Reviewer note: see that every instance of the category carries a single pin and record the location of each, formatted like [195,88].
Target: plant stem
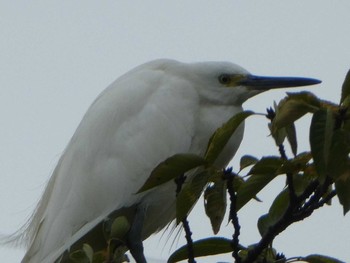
[233,215]
[188,234]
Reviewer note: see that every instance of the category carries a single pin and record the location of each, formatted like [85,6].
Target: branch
[188,234]
[294,213]
[290,183]
[229,176]
[292,196]
[319,191]
[308,191]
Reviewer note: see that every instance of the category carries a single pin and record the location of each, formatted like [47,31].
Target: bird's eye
[224,79]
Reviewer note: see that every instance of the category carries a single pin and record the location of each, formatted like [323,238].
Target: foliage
[313,178]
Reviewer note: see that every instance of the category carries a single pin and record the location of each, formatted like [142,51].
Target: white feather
[151,113]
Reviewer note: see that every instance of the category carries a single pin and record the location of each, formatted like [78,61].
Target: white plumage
[156,110]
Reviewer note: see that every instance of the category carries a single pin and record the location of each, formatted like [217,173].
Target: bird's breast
[210,119]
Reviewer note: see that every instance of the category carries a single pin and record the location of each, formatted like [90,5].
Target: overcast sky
[57,56]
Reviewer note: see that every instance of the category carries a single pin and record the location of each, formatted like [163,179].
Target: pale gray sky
[56,56]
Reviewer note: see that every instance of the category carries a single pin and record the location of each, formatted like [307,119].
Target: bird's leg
[134,240]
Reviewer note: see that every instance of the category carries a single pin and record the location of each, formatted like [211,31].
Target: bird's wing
[137,122]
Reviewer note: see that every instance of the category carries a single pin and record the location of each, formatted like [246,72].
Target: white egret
[154,111]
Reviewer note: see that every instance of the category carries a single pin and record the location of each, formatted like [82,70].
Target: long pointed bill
[266,83]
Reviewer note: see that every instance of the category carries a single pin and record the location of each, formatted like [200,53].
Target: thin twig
[313,206]
[308,191]
[318,193]
[292,195]
[188,234]
[290,183]
[282,152]
[229,176]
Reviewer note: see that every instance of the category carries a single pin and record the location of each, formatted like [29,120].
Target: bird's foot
[134,239]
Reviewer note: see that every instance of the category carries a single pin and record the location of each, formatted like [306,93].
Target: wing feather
[138,121]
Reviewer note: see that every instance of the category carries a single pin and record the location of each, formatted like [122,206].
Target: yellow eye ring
[224,79]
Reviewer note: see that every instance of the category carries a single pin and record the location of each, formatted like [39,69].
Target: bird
[156,110]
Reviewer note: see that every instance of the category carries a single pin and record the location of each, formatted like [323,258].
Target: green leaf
[88,251]
[266,165]
[120,227]
[237,182]
[203,247]
[346,102]
[171,168]
[321,259]
[262,173]
[279,135]
[293,107]
[276,211]
[116,249]
[215,203]
[79,256]
[345,92]
[247,160]
[321,132]
[223,134]
[342,186]
[292,138]
[84,255]
[279,206]
[264,224]
[338,154]
[99,257]
[268,255]
[190,194]
[301,182]
[295,165]
[306,97]
[302,158]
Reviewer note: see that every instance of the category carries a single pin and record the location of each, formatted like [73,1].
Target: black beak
[266,83]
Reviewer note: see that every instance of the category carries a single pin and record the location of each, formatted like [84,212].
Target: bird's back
[133,125]
[141,119]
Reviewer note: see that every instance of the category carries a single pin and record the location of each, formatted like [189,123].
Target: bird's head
[227,83]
